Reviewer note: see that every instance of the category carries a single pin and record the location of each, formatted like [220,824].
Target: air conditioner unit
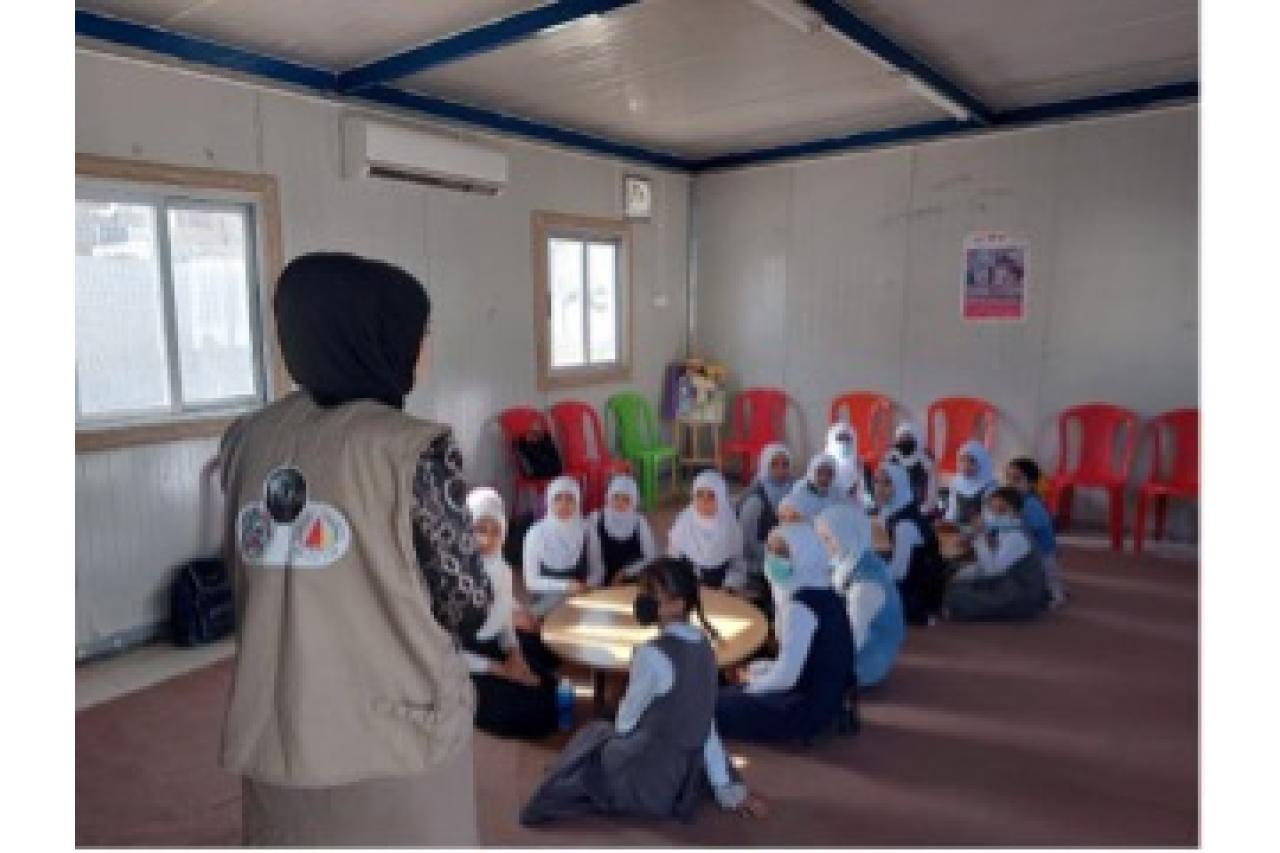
[379,150]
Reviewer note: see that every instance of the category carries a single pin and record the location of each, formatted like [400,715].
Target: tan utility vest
[342,672]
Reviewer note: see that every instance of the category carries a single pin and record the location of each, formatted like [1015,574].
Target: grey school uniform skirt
[432,809]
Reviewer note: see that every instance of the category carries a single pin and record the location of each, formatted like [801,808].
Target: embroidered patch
[287,529]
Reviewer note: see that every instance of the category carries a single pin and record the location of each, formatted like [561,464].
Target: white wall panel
[137,509]
[859,259]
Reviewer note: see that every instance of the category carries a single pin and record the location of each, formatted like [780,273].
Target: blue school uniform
[1040,524]
[887,629]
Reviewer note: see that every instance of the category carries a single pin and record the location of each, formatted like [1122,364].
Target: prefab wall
[138,509]
[845,274]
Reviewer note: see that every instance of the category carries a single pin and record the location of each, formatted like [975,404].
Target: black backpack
[202,607]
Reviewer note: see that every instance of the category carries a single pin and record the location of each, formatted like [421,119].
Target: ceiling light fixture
[939,99]
[792,14]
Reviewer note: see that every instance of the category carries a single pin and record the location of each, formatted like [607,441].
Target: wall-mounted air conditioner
[375,149]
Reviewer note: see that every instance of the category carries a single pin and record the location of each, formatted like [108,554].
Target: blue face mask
[844,449]
[778,569]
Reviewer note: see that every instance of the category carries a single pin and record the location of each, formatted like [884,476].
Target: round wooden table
[953,543]
[596,629]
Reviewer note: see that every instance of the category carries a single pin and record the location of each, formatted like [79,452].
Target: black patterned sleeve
[456,580]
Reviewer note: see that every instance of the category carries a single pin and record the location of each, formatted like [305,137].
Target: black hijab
[350,328]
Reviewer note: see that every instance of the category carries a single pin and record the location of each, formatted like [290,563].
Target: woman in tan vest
[356,571]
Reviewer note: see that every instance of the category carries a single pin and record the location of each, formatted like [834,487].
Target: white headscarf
[847,524]
[906,429]
[775,492]
[562,540]
[484,502]
[848,470]
[707,541]
[806,501]
[621,525]
[980,482]
[810,563]
[902,494]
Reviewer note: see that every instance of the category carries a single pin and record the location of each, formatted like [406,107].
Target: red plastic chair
[1101,427]
[581,438]
[871,416]
[964,418]
[1182,480]
[759,418]
[515,423]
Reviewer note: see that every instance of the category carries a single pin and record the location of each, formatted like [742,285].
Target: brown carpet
[1080,729]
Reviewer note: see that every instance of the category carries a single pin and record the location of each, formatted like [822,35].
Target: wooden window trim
[543,223]
[265,189]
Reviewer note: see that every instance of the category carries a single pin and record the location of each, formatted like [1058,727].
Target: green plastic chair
[640,443]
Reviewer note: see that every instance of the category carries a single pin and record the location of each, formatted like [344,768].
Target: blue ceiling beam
[201,51]
[204,52]
[839,17]
[271,69]
[1129,100]
[1058,111]
[838,144]
[481,39]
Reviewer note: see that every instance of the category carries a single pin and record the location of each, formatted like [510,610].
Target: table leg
[597,693]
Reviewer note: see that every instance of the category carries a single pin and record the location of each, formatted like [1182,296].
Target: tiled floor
[102,680]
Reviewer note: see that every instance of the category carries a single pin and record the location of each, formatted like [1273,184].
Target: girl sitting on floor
[706,533]
[557,550]
[1023,474]
[842,446]
[662,754]
[970,487]
[626,542]
[814,493]
[758,510]
[871,597]
[1006,581]
[908,450]
[915,564]
[804,692]
[513,673]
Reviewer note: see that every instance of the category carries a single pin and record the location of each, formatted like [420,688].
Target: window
[582,268]
[168,303]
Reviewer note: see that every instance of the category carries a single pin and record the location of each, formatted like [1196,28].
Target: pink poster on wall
[995,277]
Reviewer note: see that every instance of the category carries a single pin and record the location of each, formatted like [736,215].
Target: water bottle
[564,704]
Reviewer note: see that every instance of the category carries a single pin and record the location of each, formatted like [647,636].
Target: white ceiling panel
[331,34]
[1020,52]
[692,76]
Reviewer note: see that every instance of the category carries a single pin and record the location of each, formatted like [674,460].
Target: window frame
[160,184]
[547,225]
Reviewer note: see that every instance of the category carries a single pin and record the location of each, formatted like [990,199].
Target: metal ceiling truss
[369,83]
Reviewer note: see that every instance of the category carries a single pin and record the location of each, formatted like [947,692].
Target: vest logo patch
[286,528]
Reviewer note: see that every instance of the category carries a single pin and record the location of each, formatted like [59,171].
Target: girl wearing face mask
[815,492]
[871,597]
[806,690]
[647,763]
[1006,581]
[842,446]
[557,550]
[972,485]
[706,533]
[915,566]
[758,511]
[513,673]
[623,534]
[909,451]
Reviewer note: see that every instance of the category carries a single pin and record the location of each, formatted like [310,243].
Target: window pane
[602,267]
[122,365]
[210,254]
[565,260]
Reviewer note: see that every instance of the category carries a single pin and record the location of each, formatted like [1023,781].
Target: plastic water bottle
[564,704]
